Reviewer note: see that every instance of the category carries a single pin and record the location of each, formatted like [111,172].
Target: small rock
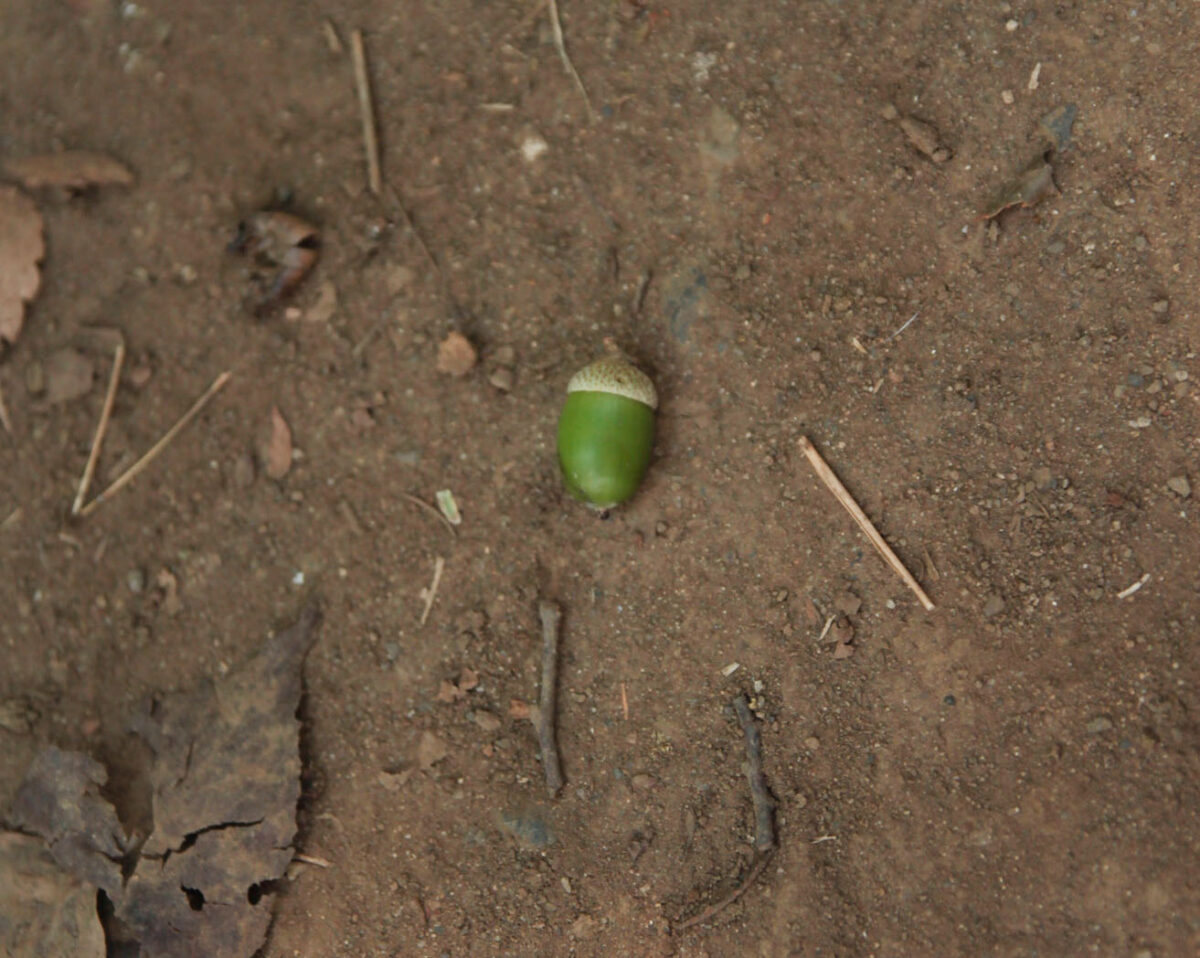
[1160,306]
[812,743]
[643,782]
[848,603]
[136,580]
[430,750]
[742,273]
[583,927]
[503,379]
[487,721]
[533,145]
[456,355]
[529,827]
[925,138]
[993,606]
[1098,725]
[69,375]
[889,112]
[1180,486]
[1043,478]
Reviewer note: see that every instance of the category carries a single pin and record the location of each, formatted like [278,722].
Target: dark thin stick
[711,910]
[764,810]
[764,805]
[551,616]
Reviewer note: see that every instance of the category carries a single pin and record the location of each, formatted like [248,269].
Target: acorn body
[606,432]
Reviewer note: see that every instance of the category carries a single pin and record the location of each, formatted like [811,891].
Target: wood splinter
[843,496]
[543,715]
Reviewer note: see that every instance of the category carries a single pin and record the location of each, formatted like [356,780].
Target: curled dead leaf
[21,250]
[70,169]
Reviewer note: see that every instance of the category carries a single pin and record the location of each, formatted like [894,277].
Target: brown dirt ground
[1014,773]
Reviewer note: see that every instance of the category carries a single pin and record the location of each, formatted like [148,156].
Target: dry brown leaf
[70,169]
[1032,186]
[46,910]
[456,355]
[21,249]
[279,446]
[223,766]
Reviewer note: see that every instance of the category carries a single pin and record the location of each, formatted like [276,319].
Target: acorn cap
[615,375]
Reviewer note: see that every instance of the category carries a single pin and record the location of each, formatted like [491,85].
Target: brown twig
[367,108]
[764,811]
[431,593]
[742,888]
[561,46]
[416,501]
[764,805]
[110,397]
[132,472]
[831,480]
[543,719]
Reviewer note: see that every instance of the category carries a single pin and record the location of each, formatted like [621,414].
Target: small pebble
[1180,486]
[742,272]
[1098,725]
[950,700]
[993,606]
[812,743]
[1007,96]
[503,379]
[1160,306]
[643,782]
[136,580]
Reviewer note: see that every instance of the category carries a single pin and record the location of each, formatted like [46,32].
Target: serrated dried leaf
[70,169]
[223,766]
[21,250]
[59,800]
[279,447]
[1031,187]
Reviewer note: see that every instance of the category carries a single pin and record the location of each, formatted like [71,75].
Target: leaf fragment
[69,169]
[21,250]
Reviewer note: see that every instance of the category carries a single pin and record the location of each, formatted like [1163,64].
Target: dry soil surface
[748,211]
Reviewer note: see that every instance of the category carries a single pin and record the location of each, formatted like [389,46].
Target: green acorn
[606,432]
